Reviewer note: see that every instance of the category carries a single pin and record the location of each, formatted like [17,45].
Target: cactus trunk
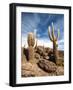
[55,52]
[31,54]
[31,42]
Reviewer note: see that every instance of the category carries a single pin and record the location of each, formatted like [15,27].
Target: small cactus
[31,42]
[54,39]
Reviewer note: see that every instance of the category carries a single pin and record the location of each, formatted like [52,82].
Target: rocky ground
[43,64]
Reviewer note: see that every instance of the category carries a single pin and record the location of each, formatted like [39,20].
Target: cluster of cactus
[31,43]
[54,39]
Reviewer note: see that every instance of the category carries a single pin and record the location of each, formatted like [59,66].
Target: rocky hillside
[43,63]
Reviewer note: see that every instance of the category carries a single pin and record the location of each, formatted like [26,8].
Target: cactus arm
[52,30]
[35,43]
[58,34]
[53,34]
[49,33]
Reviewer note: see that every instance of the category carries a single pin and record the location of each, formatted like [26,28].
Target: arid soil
[43,63]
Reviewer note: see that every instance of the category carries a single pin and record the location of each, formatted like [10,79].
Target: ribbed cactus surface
[31,39]
[54,39]
[31,42]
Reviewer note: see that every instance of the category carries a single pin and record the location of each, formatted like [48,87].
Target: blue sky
[39,22]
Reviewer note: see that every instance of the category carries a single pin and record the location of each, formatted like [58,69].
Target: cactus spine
[31,42]
[54,39]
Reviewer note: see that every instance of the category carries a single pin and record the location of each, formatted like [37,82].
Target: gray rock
[47,66]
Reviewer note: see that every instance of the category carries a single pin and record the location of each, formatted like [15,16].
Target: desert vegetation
[40,60]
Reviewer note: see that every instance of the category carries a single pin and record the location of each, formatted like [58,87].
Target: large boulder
[47,50]
[45,56]
[40,50]
[37,56]
[31,70]
[47,66]
[60,70]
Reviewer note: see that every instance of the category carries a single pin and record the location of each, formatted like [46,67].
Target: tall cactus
[31,42]
[54,39]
